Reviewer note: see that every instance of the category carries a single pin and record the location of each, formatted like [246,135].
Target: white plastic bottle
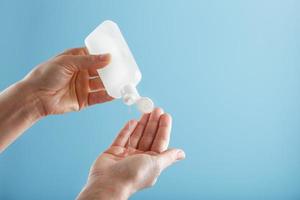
[122,75]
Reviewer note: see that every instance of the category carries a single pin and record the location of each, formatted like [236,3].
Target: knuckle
[61,59]
[70,49]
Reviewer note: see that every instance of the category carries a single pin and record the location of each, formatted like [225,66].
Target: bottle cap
[145,105]
[131,96]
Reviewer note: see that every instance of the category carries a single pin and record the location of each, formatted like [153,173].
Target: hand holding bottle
[69,81]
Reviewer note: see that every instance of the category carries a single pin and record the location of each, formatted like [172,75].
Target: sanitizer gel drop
[122,75]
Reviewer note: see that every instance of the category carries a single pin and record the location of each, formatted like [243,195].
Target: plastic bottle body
[122,75]
[122,70]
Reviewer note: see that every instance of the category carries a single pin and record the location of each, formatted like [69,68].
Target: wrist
[20,109]
[29,97]
[106,189]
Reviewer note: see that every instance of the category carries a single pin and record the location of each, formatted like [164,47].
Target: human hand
[68,82]
[134,160]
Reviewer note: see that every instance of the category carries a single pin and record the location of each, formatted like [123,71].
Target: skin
[70,82]
[134,160]
[67,82]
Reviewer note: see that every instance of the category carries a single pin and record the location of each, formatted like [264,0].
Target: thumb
[169,157]
[85,61]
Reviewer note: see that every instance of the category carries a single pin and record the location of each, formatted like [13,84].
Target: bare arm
[67,82]
[19,109]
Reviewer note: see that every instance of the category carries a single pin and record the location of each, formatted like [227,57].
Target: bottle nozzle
[131,96]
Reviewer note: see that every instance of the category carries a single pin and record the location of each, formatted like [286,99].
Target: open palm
[139,153]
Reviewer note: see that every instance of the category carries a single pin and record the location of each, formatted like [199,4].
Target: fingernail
[132,124]
[104,57]
[180,155]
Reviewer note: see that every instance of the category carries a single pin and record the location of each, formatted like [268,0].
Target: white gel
[122,75]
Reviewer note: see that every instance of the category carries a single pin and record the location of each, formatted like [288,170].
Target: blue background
[227,71]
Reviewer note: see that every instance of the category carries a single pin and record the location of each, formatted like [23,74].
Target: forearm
[19,109]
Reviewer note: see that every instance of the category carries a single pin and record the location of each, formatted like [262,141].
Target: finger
[169,157]
[82,88]
[81,62]
[138,131]
[125,133]
[93,72]
[90,61]
[95,84]
[162,138]
[75,51]
[98,97]
[80,51]
[150,130]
